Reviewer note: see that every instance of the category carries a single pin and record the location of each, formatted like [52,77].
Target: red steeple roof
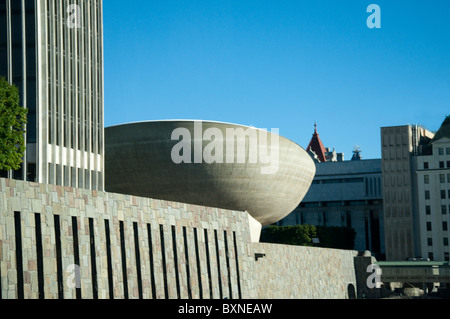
[316,146]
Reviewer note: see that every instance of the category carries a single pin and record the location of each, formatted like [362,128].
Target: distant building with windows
[433,181]
[345,194]
[58,70]
[416,185]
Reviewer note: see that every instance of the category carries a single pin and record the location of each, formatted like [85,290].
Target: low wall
[121,246]
[62,242]
[283,271]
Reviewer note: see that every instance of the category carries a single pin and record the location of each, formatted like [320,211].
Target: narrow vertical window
[59,268]
[225,237]
[124,259]
[208,264]
[76,251]
[163,254]
[227,258]
[1,284]
[19,259]
[152,267]
[237,265]
[186,256]
[175,261]
[109,259]
[93,259]
[197,257]
[138,259]
[218,263]
[39,255]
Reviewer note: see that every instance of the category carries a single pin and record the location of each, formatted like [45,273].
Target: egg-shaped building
[208,163]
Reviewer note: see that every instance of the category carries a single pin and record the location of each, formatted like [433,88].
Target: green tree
[13,119]
[302,235]
[289,235]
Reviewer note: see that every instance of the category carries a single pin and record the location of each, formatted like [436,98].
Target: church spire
[316,146]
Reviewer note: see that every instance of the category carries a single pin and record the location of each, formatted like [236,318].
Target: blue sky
[280,64]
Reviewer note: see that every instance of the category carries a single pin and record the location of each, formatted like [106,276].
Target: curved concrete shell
[210,164]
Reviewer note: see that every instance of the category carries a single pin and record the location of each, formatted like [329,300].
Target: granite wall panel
[104,245]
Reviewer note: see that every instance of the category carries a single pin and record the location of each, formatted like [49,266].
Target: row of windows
[444,194]
[442,178]
[443,209]
[74,177]
[394,137]
[441,151]
[444,241]
[338,180]
[444,226]
[339,203]
[442,164]
[372,185]
[446,256]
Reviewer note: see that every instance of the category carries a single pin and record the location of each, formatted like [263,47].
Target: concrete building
[416,164]
[140,160]
[52,50]
[433,205]
[432,177]
[346,194]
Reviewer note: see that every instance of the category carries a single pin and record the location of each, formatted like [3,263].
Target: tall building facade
[397,146]
[432,166]
[52,50]
[416,191]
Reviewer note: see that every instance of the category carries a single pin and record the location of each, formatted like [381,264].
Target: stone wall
[155,249]
[298,272]
[54,239]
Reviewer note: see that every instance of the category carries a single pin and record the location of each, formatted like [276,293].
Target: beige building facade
[433,196]
[416,179]
[398,144]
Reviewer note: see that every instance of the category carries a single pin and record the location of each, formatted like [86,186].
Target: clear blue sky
[280,64]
